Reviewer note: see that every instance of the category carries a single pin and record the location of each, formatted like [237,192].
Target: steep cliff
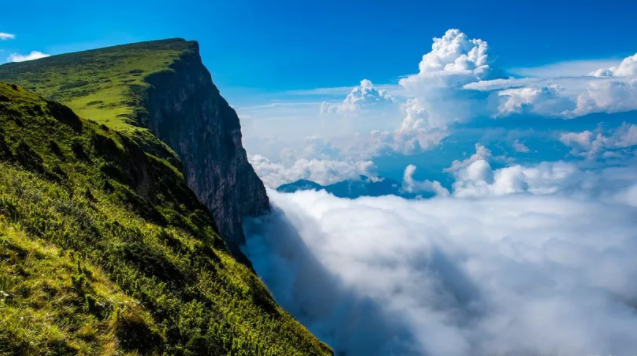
[186,110]
[161,86]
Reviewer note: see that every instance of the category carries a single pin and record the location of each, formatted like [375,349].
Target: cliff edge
[160,89]
[186,110]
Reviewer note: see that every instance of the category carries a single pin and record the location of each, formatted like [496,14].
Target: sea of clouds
[522,260]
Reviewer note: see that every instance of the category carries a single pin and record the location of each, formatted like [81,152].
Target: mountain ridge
[160,94]
[352,188]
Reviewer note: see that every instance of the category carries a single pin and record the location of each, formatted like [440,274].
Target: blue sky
[331,89]
[302,45]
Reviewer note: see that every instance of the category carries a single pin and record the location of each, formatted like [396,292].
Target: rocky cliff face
[186,111]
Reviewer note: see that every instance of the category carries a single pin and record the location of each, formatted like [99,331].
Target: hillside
[159,92]
[104,250]
[104,85]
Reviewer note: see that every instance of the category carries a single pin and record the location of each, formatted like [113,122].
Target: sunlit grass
[100,84]
[104,249]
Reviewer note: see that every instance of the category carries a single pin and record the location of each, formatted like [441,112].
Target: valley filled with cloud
[522,234]
[522,260]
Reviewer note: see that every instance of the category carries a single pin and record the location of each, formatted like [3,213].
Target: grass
[102,85]
[104,250]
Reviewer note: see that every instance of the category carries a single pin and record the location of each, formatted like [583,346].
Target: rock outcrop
[186,111]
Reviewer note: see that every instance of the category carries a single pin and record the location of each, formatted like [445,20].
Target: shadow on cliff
[351,323]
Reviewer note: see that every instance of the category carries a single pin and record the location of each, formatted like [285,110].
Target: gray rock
[186,111]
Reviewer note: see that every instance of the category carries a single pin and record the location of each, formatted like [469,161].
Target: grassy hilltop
[103,85]
[104,250]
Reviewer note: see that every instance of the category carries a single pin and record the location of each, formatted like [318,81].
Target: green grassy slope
[102,85]
[105,250]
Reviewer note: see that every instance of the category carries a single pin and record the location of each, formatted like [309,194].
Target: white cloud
[412,185]
[520,147]
[589,144]
[416,116]
[515,274]
[559,97]
[404,141]
[6,36]
[582,139]
[437,93]
[454,53]
[627,68]
[478,179]
[575,68]
[363,97]
[482,154]
[607,90]
[323,172]
[475,177]
[15,57]
[607,96]
[542,100]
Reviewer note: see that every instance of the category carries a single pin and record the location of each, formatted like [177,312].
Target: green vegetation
[103,85]
[104,250]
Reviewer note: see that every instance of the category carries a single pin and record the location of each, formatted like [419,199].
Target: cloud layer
[544,274]
[322,171]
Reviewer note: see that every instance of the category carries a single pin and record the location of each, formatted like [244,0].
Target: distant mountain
[301,184]
[351,188]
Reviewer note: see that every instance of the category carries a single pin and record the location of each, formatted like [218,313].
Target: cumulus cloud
[542,100]
[324,172]
[6,36]
[412,185]
[482,154]
[520,147]
[404,141]
[582,139]
[560,97]
[607,96]
[627,68]
[528,273]
[456,54]
[15,57]
[436,91]
[361,98]
[607,90]
[416,117]
[432,100]
[590,144]
[478,179]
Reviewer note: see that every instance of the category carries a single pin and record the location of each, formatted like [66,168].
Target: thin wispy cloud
[6,36]
[15,57]
[575,68]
